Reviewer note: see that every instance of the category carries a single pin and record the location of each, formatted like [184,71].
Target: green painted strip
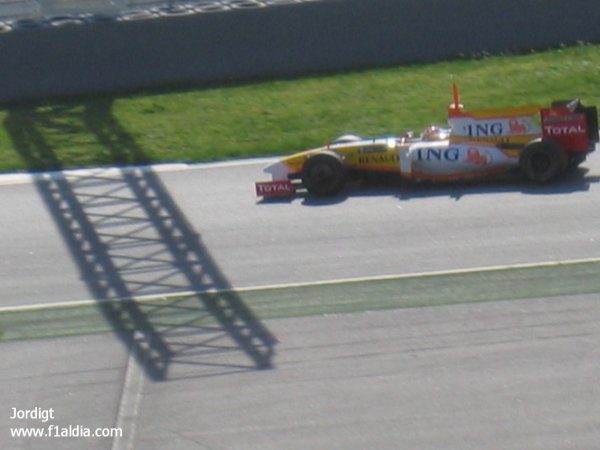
[304,300]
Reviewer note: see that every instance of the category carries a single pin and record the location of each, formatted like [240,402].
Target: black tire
[323,175]
[543,161]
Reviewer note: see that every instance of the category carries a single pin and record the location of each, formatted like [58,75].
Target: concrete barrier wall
[282,40]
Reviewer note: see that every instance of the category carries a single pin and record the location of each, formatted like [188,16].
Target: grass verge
[278,117]
[335,298]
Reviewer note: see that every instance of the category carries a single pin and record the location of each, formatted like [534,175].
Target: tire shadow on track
[130,240]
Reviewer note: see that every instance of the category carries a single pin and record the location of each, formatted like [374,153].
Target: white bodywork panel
[440,158]
[278,170]
[496,127]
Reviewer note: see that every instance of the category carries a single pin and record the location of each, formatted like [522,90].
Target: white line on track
[129,405]
[151,298]
[108,172]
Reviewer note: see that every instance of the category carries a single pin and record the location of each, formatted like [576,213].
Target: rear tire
[543,161]
[323,175]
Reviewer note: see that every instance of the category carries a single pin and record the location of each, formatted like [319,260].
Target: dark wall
[280,40]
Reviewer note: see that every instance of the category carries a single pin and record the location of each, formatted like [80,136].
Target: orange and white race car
[542,142]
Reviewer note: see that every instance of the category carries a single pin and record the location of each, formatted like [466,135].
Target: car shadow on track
[131,241]
[576,180]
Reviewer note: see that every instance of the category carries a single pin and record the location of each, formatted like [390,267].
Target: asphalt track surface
[508,375]
[52,231]
[513,374]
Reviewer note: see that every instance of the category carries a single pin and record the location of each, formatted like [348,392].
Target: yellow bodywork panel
[375,155]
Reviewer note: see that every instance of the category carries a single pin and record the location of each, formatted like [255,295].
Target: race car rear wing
[572,125]
[590,113]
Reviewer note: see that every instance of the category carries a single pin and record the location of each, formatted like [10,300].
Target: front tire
[543,161]
[323,175]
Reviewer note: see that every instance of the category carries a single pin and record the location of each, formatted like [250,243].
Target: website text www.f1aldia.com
[45,429]
[70,431]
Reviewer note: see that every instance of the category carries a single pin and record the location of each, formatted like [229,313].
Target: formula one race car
[542,142]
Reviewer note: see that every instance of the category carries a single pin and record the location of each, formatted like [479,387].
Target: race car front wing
[276,188]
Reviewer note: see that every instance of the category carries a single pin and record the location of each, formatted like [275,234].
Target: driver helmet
[434,133]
